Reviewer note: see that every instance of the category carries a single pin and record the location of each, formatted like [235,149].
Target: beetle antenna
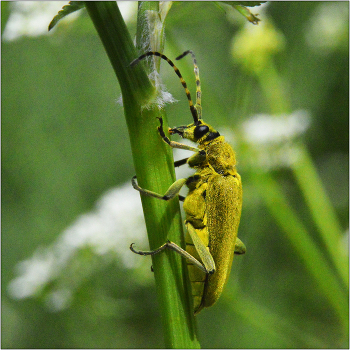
[188,94]
[198,82]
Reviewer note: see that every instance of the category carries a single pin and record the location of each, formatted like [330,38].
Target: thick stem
[153,163]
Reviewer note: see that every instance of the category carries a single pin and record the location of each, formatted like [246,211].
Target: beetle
[213,204]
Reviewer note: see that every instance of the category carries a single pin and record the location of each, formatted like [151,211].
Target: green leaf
[247,14]
[240,6]
[66,10]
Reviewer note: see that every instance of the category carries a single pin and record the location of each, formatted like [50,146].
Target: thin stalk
[154,168]
[299,237]
[319,206]
[309,181]
[322,212]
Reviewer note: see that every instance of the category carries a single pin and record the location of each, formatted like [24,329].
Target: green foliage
[66,10]
[240,6]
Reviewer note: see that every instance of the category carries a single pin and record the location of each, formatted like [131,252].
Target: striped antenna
[154,53]
[198,82]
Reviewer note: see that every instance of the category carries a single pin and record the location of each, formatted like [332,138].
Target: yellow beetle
[213,204]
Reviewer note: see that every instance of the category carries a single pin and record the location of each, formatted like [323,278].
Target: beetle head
[199,132]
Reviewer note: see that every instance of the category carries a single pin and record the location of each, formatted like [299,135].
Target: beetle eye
[200,131]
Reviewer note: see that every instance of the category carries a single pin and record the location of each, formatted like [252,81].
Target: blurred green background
[69,212]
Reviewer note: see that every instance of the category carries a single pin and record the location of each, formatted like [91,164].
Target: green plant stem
[322,211]
[298,235]
[318,203]
[154,168]
[308,179]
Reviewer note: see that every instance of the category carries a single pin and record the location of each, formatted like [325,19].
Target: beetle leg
[172,191]
[175,248]
[239,247]
[174,144]
[196,159]
[180,162]
[151,252]
[201,249]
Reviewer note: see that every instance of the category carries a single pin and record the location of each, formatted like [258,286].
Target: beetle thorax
[221,156]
